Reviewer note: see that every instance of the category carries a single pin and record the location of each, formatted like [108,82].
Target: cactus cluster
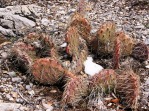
[38,55]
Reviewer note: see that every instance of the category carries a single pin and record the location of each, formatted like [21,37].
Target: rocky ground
[20,92]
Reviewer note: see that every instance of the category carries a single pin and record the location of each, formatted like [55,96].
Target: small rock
[4,55]
[50,109]
[14,94]
[16,79]
[45,22]
[147,66]
[32,93]
[9,97]
[63,45]
[47,105]
[28,87]
[19,100]
[9,106]
[12,74]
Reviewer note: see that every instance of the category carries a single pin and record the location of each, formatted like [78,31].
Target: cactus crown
[106,33]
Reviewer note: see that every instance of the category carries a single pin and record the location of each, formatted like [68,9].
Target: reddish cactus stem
[116,56]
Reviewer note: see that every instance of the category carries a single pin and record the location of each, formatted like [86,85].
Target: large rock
[16,20]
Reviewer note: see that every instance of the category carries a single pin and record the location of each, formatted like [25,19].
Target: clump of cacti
[76,90]
[47,70]
[106,36]
[37,54]
[128,88]
[140,52]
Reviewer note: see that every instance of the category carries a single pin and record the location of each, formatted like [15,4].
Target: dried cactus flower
[127,43]
[117,54]
[76,89]
[47,71]
[128,88]
[43,44]
[106,37]
[103,82]
[20,60]
[140,52]
[83,26]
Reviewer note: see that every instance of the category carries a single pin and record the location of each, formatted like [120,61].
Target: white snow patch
[91,68]
[63,45]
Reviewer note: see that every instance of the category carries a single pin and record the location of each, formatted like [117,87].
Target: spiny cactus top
[126,44]
[83,26]
[47,70]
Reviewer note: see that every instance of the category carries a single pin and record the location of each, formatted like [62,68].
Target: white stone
[147,66]
[63,45]
[45,22]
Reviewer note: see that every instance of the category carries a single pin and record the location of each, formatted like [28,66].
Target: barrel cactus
[128,88]
[103,82]
[76,89]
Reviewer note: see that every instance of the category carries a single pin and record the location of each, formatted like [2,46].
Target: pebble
[28,87]
[19,100]
[12,74]
[45,22]
[9,97]
[16,79]
[9,106]
[47,105]
[32,92]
